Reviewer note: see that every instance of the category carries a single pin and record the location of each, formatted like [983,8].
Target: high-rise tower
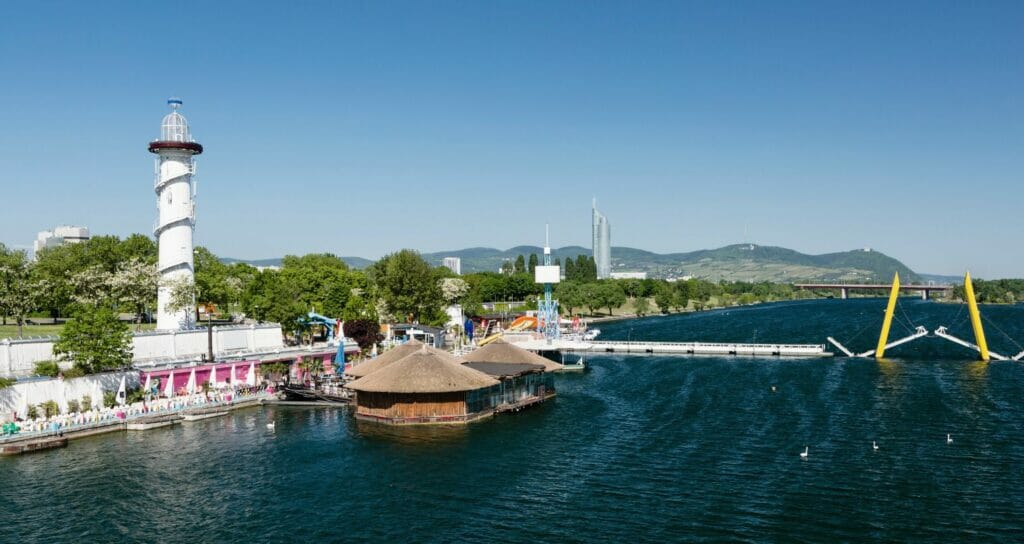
[175,196]
[602,244]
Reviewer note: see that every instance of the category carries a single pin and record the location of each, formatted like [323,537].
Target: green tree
[407,285]
[20,288]
[641,306]
[532,263]
[583,268]
[95,340]
[520,265]
[570,296]
[182,299]
[610,295]
[570,270]
[664,297]
[591,296]
[134,284]
[681,293]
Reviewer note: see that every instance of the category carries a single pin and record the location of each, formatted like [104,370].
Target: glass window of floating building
[525,376]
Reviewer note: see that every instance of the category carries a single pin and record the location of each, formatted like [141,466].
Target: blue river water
[639,448]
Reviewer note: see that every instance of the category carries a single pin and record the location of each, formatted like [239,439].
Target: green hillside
[739,262]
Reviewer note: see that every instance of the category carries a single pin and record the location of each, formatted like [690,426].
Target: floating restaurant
[525,376]
[427,386]
[417,384]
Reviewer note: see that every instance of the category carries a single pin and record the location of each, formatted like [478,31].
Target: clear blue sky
[362,128]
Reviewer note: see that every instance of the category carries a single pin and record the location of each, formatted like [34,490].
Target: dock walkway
[709,348]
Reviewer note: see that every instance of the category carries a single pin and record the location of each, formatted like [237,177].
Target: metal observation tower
[175,195]
[547,309]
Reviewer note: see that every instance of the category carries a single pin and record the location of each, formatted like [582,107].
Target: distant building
[453,263]
[602,244]
[60,236]
[629,275]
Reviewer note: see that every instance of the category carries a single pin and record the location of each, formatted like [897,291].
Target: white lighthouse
[175,196]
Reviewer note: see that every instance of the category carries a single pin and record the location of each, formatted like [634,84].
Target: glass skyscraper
[602,244]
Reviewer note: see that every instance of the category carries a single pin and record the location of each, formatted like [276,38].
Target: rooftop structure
[602,243]
[61,235]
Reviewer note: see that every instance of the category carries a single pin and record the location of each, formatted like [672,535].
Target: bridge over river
[845,288]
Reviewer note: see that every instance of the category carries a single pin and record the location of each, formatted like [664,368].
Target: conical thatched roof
[500,351]
[384,359]
[425,371]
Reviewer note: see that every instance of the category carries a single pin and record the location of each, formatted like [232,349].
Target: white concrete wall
[32,393]
[18,357]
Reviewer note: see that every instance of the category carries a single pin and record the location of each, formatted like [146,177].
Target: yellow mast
[883,338]
[972,308]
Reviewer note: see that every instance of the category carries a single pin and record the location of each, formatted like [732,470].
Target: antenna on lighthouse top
[547,241]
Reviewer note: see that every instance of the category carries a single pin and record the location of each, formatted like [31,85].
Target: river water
[639,448]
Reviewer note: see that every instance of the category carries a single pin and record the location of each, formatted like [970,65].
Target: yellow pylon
[972,308]
[883,338]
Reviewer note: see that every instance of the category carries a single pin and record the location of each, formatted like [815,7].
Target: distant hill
[354,262]
[739,262]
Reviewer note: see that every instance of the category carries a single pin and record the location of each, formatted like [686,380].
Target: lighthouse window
[169,199]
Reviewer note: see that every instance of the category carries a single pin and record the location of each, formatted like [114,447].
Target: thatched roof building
[426,386]
[384,359]
[502,352]
[423,372]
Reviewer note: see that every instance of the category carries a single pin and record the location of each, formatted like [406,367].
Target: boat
[146,423]
[579,366]
[591,334]
[325,392]
[197,414]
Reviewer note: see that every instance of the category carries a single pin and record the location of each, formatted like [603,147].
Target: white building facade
[602,244]
[453,263]
[175,193]
[59,236]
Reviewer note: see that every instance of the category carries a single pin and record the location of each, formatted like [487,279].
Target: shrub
[6,382]
[47,368]
[50,408]
[74,372]
[86,403]
[109,399]
[135,395]
[73,406]
[33,412]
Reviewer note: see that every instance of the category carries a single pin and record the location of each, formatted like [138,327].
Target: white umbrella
[169,388]
[23,407]
[232,378]
[63,399]
[190,387]
[97,396]
[250,379]
[213,376]
[122,392]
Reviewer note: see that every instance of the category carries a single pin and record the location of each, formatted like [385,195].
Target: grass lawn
[11,331]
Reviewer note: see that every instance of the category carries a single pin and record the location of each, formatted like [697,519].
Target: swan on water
[874,445]
[803,454]
[949,439]
[270,425]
